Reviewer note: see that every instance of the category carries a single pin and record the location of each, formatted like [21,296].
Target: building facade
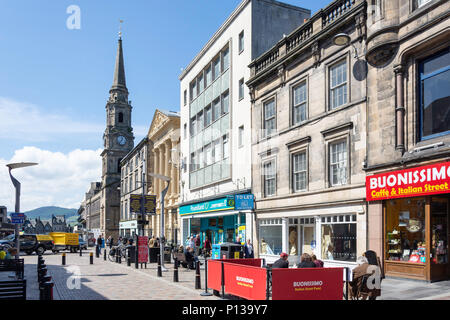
[216,122]
[408,50]
[92,203]
[134,168]
[309,105]
[164,132]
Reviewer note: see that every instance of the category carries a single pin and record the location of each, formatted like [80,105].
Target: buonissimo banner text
[414,182]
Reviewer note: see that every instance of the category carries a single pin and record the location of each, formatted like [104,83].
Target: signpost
[143,204]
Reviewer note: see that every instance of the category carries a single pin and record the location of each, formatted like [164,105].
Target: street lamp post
[162,239]
[16,184]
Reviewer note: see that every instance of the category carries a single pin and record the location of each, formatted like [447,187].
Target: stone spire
[119,82]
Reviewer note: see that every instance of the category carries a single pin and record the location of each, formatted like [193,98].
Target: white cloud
[25,121]
[59,179]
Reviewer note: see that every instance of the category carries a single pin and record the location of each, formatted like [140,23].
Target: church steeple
[119,82]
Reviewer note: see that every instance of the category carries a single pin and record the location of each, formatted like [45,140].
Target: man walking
[99,245]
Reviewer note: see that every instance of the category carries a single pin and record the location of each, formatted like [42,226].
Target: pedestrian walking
[248,250]
[197,245]
[207,247]
[99,245]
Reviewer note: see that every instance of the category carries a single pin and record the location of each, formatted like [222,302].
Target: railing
[299,37]
[267,60]
[336,10]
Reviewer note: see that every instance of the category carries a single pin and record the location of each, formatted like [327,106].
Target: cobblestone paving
[105,280]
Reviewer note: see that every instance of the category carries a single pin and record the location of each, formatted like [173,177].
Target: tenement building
[134,167]
[408,149]
[216,200]
[309,121]
[164,133]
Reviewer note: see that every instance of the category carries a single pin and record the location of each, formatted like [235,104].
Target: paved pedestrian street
[106,280]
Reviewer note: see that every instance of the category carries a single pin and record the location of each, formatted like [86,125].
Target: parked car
[29,243]
[83,244]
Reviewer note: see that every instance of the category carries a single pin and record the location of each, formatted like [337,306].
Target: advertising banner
[245,281]
[215,275]
[208,206]
[246,262]
[414,182]
[244,202]
[142,249]
[307,284]
[136,204]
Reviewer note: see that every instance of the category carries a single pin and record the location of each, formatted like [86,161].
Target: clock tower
[118,141]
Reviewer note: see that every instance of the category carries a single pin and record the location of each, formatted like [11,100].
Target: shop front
[415,211]
[128,229]
[221,220]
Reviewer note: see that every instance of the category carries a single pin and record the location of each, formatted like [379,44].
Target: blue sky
[54,82]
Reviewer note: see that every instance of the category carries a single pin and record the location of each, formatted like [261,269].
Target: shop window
[271,239]
[293,240]
[405,230]
[434,95]
[338,240]
[439,227]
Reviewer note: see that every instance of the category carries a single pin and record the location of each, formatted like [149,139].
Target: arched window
[120,117]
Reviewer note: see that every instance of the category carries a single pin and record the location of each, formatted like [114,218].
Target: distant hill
[45,213]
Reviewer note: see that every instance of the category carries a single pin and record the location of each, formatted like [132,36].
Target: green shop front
[223,219]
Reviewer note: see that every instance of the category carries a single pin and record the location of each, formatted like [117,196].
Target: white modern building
[216,198]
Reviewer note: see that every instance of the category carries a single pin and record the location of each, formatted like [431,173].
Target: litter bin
[153,254]
[167,251]
[230,250]
[132,253]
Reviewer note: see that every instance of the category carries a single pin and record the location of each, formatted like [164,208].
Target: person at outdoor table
[306,261]
[11,254]
[317,262]
[190,258]
[361,270]
[248,250]
[282,262]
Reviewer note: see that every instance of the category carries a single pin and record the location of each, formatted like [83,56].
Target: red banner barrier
[143,249]
[307,284]
[245,281]
[215,275]
[246,262]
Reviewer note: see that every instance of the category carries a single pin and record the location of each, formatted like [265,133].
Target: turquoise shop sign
[226,203]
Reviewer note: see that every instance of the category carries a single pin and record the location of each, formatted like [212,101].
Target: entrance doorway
[440,268]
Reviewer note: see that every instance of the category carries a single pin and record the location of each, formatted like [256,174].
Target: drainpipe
[399,109]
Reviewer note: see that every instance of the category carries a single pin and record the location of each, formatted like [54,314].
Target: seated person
[317,262]
[368,258]
[190,257]
[306,261]
[282,262]
[11,254]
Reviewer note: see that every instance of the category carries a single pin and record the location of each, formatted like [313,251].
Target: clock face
[121,140]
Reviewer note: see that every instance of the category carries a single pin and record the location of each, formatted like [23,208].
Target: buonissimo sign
[419,181]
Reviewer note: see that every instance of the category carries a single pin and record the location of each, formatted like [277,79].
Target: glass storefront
[270,235]
[339,238]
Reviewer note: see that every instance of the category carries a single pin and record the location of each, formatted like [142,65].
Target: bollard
[81,251]
[117,257]
[206,293]
[46,291]
[197,275]
[41,274]
[136,257]
[97,252]
[91,257]
[159,266]
[120,258]
[104,256]
[175,270]
[64,259]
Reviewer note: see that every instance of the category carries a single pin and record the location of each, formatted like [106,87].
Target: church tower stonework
[118,142]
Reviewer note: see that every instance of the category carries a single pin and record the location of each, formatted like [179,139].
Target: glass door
[439,238]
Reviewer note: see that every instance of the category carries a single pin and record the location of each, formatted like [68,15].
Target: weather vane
[120,29]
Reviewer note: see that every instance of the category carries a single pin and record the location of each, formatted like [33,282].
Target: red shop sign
[143,249]
[308,284]
[414,182]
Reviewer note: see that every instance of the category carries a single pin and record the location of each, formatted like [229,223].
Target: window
[120,117]
[269,117]
[193,126]
[201,83]
[216,68]
[185,97]
[338,239]
[192,164]
[185,131]
[200,121]
[216,109]
[194,89]
[241,136]
[338,163]
[299,103]
[241,41]
[338,85]
[299,171]
[225,147]
[216,154]
[208,76]
[241,89]
[200,159]
[420,3]
[225,103]
[226,59]
[434,95]
[269,174]
[270,232]
[208,155]
[208,116]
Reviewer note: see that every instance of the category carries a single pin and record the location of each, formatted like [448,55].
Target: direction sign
[17,218]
